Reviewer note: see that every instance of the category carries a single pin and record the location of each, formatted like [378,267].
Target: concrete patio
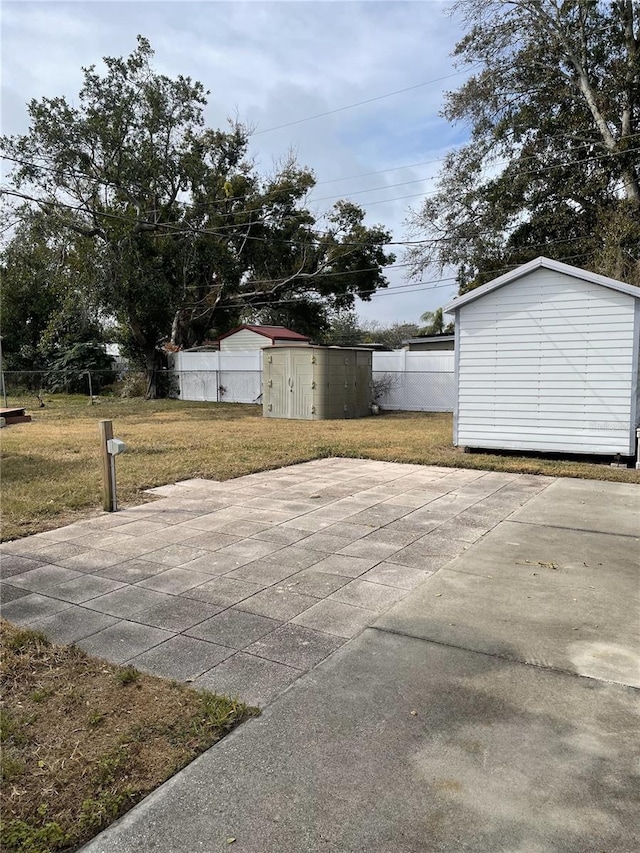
[242,586]
[448,660]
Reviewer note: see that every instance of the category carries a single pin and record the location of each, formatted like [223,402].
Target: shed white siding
[548,362]
[244,340]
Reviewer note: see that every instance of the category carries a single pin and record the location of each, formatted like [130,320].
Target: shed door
[300,385]
[279,396]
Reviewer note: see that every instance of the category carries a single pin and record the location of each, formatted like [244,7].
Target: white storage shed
[547,360]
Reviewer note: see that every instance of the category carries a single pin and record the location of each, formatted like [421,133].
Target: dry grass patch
[84,740]
[51,472]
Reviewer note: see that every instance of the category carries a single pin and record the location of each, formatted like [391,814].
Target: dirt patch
[84,740]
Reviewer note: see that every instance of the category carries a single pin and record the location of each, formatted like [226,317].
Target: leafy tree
[552,165]
[187,237]
[69,369]
[45,298]
[392,336]
[345,329]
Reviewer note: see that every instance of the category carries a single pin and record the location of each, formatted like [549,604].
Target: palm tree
[435,324]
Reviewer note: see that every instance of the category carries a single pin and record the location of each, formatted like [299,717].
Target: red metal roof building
[249,337]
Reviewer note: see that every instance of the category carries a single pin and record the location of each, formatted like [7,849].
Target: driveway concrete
[490,708]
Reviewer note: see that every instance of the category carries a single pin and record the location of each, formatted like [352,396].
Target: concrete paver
[131,571]
[234,628]
[126,601]
[296,646]
[181,658]
[123,641]
[177,614]
[334,617]
[13,564]
[205,547]
[10,593]
[72,624]
[256,680]
[44,577]
[84,588]
[223,590]
[390,574]
[174,581]
[31,607]
[368,594]
[313,583]
[277,603]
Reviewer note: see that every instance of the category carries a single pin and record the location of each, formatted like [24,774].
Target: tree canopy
[181,234]
[552,165]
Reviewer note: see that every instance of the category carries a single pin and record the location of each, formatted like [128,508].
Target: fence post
[4,387]
[108,468]
[90,387]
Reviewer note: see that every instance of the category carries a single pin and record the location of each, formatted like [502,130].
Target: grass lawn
[51,468]
[83,740]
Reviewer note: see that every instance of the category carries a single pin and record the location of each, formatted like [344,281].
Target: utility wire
[204,231]
[362,103]
[218,229]
[224,201]
[413,287]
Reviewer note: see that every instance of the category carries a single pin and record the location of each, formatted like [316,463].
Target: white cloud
[274,63]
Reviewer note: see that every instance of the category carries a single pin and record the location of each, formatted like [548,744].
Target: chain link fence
[415,391]
[20,387]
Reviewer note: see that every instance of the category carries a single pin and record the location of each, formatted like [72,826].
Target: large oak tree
[186,236]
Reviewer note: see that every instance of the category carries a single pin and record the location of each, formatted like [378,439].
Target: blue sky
[270,64]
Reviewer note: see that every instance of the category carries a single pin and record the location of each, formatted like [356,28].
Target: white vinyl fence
[220,377]
[402,381]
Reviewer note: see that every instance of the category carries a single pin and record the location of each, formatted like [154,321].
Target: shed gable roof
[274,333]
[545,263]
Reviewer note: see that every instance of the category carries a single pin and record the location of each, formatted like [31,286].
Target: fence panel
[240,386]
[198,385]
[413,391]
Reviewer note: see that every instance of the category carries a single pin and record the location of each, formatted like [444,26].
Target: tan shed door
[300,385]
[279,391]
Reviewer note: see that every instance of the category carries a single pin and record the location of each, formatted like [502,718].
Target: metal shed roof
[275,333]
[547,263]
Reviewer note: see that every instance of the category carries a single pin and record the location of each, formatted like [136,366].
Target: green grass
[81,744]
[51,467]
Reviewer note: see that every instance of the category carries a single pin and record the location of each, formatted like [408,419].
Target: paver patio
[242,586]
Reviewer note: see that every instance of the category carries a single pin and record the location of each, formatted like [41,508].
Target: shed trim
[547,263]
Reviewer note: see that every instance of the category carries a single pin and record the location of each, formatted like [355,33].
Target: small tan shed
[316,383]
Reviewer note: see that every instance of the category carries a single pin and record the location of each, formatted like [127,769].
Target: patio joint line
[546,668]
[576,529]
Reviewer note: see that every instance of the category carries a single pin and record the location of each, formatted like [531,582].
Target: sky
[273,64]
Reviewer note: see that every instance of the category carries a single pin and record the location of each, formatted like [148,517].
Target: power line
[204,231]
[223,201]
[412,287]
[362,103]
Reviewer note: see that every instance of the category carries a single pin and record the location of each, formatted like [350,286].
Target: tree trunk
[152,363]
